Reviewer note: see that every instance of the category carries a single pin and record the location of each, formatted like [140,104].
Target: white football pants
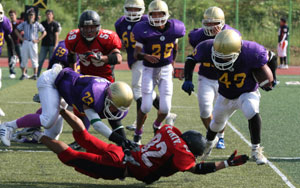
[136,79]
[50,100]
[225,108]
[207,94]
[161,76]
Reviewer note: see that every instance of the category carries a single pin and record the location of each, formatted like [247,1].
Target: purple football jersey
[195,37]
[60,55]
[5,29]
[124,31]
[157,43]
[239,80]
[79,90]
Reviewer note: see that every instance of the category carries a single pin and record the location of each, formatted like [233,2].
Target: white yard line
[283,177]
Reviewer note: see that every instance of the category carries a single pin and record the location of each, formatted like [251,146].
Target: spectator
[30,41]
[15,22]
[51,39]
[283,35]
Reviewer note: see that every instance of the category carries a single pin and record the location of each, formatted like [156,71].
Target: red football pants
[101,160]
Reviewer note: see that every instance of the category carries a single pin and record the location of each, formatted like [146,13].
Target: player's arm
[175,50]
[72,60]
[264,77]
[205,168]
[139,55]
[98,59]
[189,66]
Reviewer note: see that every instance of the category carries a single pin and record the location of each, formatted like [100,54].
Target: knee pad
[146,103]
[205,110]
[216,126]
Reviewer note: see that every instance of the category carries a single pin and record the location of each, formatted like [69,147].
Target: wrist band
[226,164]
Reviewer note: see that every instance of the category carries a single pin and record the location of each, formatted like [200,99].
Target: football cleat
[6,134]
[170,119]
[24,133]
[208,148]
[221,144]
[137,139]
[131,127]
[75,146]
[258,157]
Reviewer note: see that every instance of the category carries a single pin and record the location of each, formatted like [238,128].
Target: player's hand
[130,145]
[188,87]
[151,58]
[128,158]
[13,60]
[95,58]
[36,98]
[234,160]
[267,88]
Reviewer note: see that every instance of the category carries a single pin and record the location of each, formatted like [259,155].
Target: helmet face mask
[111,112]
[158,13]
[1,13]
[133,10]
[89,24]
[226,49]
[213,21]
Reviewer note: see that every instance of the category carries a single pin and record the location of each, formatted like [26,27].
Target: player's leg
[249,104]
[284,55]
[223,110]
[165,87]
[42,56]
[136,84]
[147,90]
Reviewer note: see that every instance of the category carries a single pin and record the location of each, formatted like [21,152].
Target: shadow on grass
[61,185]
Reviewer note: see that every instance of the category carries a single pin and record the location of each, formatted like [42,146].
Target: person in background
[51,39]
[30,41]
[283,35]
[15,22]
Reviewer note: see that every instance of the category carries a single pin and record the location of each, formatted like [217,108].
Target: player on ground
[156,45]
[213,22]
[168,152]
[98,49]
[5,31]
[94,97]
[133,13]
[235,60]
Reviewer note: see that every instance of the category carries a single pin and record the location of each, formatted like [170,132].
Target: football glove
[13,61]
[123,142]
[95,58]
[267,88]
[188,87]
[234,160]
[36,98]
[128,158]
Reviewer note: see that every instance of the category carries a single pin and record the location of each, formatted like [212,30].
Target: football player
[213,22]
[133,13]
[93,97]
[168,152]
[156,44]
[5,33]
[98,49]
[235,60]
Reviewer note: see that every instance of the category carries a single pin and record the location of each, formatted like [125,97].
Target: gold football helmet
[226,49]
[134,16]
[119,94]
[1,13]
[213,21]
[158,6]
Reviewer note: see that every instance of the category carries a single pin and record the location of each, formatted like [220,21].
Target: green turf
[43,169]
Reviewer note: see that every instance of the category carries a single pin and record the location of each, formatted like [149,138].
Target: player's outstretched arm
[233,160]
[75,122]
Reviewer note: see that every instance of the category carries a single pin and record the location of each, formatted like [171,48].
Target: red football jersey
[166,154]
[105,42]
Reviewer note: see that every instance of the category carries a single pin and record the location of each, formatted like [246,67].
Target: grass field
[32,165]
